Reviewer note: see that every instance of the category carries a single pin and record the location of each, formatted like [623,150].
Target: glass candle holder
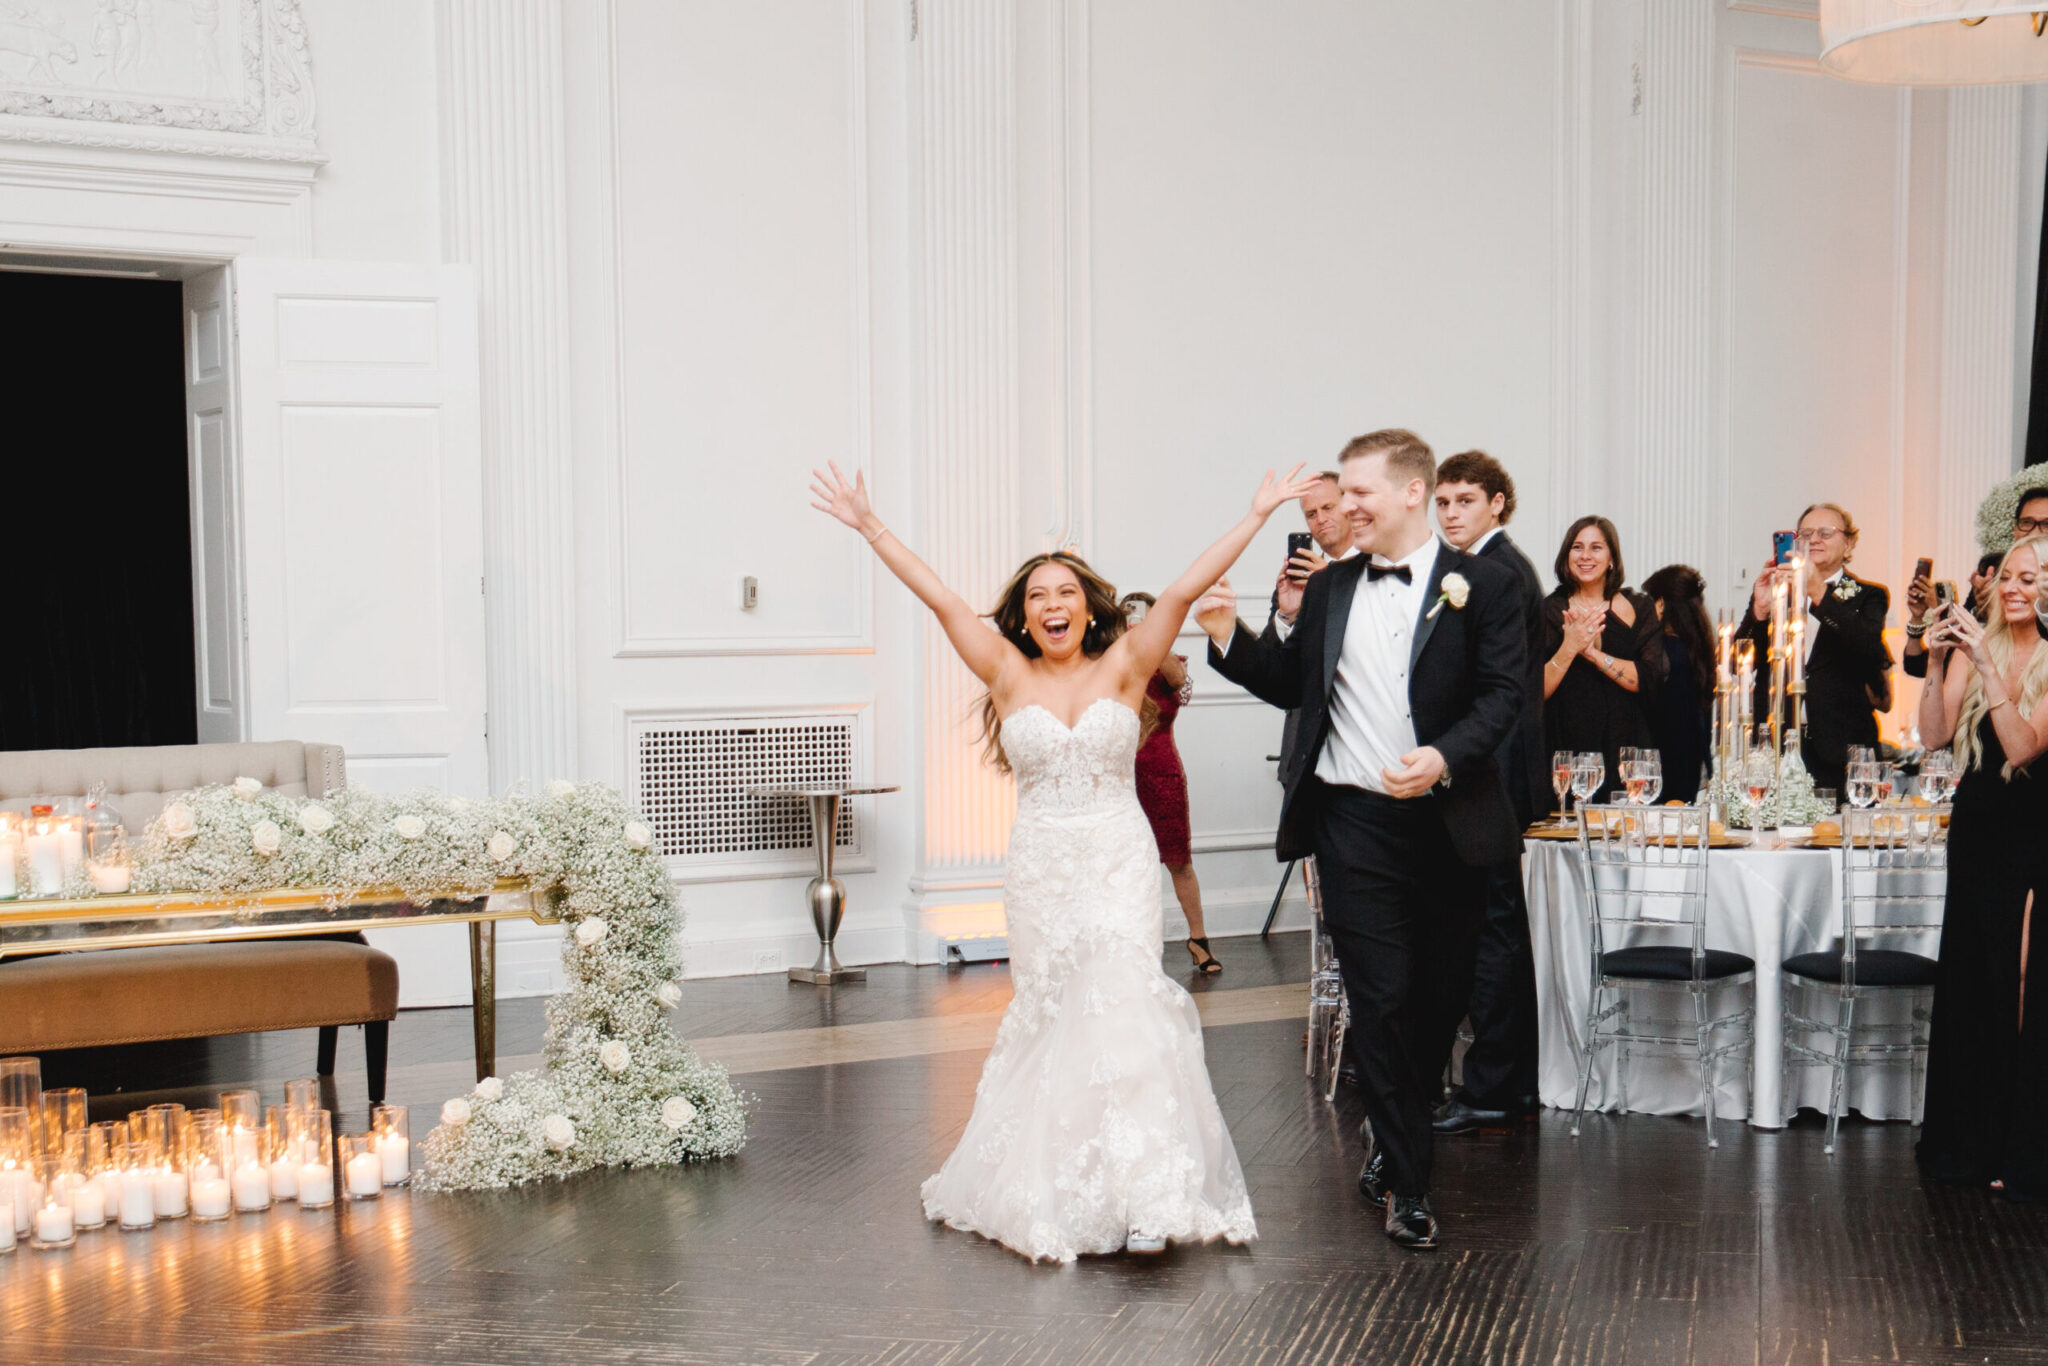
[282,1152]
[105,1142]
[140,1163]
[71,834]
[10,855]
[21,1084]
[303,1095]
[78,1177]
[241,1115]
[393,1142]
[108,861]
[316,1146]
[63,1112]
[362,1167]
[55,1225]
[21,1187]
[42,842]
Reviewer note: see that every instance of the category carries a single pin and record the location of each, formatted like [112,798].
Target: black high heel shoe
[1205,962]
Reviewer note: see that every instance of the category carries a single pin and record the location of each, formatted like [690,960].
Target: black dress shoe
[1410,1222]
[1372,1178]
[1461,1116]
[1348,1074]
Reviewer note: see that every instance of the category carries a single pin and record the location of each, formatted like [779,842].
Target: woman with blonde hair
[1095,1128]
[1987,1067]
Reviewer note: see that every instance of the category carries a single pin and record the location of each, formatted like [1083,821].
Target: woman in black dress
[1987,1065]
[1687,698]
[1604,652]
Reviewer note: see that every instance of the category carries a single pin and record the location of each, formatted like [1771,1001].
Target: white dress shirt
[1371,724]
[1480,544]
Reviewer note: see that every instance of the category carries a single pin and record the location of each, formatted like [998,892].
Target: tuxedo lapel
[1425,625]
[1343,587]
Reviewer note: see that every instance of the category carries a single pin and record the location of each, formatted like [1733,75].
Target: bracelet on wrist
[880,532]
[1915,630]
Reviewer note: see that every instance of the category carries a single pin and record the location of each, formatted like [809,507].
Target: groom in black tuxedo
[1407,663]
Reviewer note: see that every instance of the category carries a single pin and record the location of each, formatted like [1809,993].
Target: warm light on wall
[1934,42]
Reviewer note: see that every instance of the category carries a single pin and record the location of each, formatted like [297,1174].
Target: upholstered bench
[99,997]
[183,991]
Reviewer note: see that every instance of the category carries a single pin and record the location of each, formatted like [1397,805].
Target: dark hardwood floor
[1634,1243]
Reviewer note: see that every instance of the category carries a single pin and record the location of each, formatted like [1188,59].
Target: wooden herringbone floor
[1632,1244]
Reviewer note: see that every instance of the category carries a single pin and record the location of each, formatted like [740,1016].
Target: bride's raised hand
[1273,492]
[832,495]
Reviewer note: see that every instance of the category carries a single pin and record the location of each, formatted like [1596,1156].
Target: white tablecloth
[1766,903]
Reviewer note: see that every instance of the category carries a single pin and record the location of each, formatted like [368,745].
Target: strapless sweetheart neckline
[1076,725]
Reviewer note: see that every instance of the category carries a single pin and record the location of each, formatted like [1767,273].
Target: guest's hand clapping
[1216,611]
[1583,627]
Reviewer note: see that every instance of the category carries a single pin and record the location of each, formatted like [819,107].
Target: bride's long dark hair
[1106,621]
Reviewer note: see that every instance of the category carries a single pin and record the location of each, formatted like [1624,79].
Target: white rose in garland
[615,1056]
[455,1112]
[180,822]
[409,827]
[559,1132]
[669,995]
[561,787]
[265,838]
[315,819]
[677,1113]
[501,847]
[638,836]
[248,789]
[591,932]
[490,1088]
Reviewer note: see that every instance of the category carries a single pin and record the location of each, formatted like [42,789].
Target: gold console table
[137,920]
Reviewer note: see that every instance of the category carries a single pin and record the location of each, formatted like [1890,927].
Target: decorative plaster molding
[505,200]
[147,64]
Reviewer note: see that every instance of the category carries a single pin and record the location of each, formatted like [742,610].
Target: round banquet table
[1768,903]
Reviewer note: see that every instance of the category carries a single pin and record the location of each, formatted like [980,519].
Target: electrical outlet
[750,593]
[767,960]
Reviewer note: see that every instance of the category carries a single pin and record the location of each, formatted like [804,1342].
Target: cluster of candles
[44,849]
[61,1175]
[1735,673]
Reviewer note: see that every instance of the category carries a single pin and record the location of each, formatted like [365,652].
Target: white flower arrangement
[592,1104]
[638,836]
[2001,505]
[677,1113]
[561,788]
[266,838]
[248,789]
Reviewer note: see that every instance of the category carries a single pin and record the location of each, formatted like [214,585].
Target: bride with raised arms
[1095,1128]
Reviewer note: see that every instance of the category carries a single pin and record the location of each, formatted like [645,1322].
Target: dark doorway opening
[99,539]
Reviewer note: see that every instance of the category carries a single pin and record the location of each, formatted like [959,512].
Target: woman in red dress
[1163,790]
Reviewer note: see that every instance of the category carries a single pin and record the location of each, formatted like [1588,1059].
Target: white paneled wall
[1074,272]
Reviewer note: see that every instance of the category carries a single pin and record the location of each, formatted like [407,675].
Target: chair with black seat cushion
[1894,889]
[1646,876]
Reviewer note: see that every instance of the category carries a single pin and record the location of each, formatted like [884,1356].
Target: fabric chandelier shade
[1934,42]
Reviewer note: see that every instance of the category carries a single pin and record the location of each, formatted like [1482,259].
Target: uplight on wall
[1934,42]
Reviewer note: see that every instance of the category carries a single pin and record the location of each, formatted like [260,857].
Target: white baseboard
[746,956]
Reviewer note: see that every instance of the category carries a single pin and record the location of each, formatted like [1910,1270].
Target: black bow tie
[1375,572]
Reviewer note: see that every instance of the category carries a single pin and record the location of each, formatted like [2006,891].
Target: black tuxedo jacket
[1465,682]
[1845,671]
[1524,768]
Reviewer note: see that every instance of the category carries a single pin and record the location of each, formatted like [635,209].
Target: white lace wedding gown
[1094,1116]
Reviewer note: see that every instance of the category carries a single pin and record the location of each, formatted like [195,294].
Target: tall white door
[214,511]
[362,515]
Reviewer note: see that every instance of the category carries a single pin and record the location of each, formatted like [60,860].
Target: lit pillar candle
[89,1204]
[316,1185]
[1797,646]
[284,1177]
[1777,613]
[171,1190]
[138,1198]
[243,1146]
[10,850]
[396,1152]
[1725,655]
[365,1175]
[71,843]
[210,1196]
[7,1234]
[55,1226]
[27,1192]
[45,858]
[252,1187]
[111,879]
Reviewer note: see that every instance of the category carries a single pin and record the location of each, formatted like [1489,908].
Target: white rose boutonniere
[501,847]
[180,823]
[315,819]
[1847,588]
[591,932]
[561,787]
[638,836]
[455,1112]
[409,827]
[669,995]
[490,1088]
[1455,592]
[247,788]
[265,838]
[559,1131]
[677,1112]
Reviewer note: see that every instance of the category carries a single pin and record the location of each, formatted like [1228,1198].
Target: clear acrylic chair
[1329,1014]
[1894,887]
[1646,879]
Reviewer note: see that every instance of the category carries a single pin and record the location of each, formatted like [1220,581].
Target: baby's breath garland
[2001,505]
[617,1086]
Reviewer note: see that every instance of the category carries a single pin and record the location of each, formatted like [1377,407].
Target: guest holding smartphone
[1603,652]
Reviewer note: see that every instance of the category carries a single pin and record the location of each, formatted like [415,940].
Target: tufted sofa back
[141,779]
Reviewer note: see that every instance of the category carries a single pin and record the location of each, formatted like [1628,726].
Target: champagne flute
[1561,765]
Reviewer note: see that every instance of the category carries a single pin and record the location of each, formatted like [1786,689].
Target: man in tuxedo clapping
[1407,663]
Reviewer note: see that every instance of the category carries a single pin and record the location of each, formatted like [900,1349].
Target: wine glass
[1862,754]
[1588,772]
[1938,775]
[1649,780]
[1561,765]
[1862,784]
[1887,782]
[1759,774]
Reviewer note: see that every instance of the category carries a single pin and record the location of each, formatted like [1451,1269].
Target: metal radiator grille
[694,777]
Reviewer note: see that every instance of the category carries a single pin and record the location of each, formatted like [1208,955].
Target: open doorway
[99,539]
